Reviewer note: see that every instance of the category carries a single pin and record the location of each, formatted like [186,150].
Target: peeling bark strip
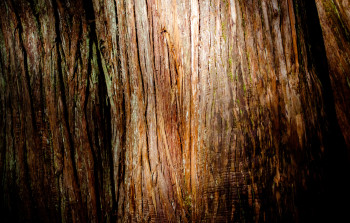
[174,111]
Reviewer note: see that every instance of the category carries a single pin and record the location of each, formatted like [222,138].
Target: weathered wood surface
[165,110]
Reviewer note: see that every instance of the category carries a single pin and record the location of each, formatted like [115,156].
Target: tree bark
[335,22]
[180,111]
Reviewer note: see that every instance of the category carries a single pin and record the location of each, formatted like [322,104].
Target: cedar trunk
[174,111]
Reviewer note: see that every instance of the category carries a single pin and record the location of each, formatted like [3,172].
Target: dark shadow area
[333,204]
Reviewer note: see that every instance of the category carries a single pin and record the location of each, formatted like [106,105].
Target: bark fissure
[76,193]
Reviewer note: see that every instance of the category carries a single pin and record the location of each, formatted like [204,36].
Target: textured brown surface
[335,22]
[180,111]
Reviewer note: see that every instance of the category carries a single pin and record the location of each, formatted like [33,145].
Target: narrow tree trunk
[180,111]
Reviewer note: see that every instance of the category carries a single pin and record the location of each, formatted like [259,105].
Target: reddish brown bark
[180,111]
[335,22]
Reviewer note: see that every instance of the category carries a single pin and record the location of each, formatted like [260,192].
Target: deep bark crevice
[336,161]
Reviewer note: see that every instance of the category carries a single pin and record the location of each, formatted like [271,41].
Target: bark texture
[168,110]
[335,22]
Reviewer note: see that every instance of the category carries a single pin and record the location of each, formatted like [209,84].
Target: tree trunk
[180,111]
[335,22]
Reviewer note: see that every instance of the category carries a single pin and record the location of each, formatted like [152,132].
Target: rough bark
[335,23]
[180,111]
